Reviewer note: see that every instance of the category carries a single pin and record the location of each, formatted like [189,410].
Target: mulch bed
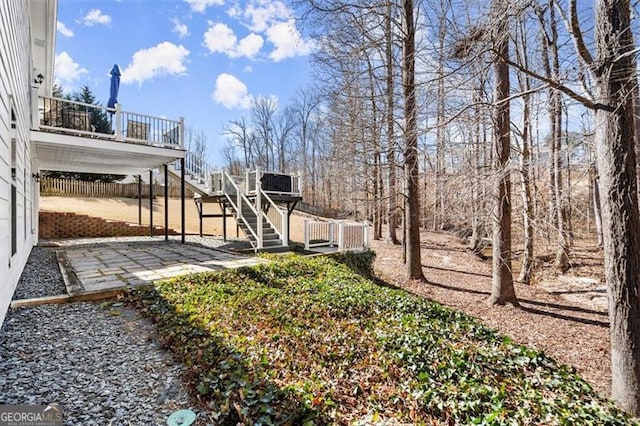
[574,334]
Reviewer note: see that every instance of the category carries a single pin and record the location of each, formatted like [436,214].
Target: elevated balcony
[79,137]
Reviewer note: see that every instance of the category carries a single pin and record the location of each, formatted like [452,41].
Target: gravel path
[41,276]
[98,361]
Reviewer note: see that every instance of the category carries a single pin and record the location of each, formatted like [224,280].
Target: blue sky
[204,60]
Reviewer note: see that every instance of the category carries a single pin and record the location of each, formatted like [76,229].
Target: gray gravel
[98,361]
[41,276]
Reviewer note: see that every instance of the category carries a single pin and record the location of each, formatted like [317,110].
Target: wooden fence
[75,188]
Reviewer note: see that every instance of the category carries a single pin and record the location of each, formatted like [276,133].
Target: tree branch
[573,25]
[561,87]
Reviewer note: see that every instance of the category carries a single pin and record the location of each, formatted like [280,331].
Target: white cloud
[179,28]
[287,41]
[262,16]
[201,5]
[164,59]
[231,92]
[250,45]
[220,38]
[66,69]
[62,29]
[95,16]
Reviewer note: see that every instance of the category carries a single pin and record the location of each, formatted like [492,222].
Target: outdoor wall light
[36,177]
[39,78]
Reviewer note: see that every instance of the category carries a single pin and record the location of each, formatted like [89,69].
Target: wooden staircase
[264,222]
[270,239]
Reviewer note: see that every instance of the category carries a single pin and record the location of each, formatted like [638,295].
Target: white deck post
[239,201]
[118,122]
[306,234]
[259,215]
[331,236]
[340,236]
[366,234]
[258,186]
[285,227]
[181,135]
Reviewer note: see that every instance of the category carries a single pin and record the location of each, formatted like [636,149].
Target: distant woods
[348,132]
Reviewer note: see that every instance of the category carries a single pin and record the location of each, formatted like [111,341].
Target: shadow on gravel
[41,276]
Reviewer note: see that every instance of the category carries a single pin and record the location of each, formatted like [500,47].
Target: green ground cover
[311,341]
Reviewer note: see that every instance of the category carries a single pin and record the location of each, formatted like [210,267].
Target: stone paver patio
[114,265]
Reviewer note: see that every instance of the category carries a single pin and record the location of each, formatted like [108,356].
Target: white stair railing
[198,168]
[276,216]
[266,210]
[241,203]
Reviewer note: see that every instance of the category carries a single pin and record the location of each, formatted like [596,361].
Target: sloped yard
[311,341]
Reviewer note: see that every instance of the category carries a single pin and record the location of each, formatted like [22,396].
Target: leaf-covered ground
[310,341]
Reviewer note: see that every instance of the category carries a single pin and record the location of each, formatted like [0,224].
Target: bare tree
[557,198]
[525,159]
[240,136]
[263,112]
[412,213]
[392,205]
[502,290]
[283,125]
[305,106]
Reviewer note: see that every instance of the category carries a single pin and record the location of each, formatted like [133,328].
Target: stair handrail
[199,168]
[238,206]
[283,233]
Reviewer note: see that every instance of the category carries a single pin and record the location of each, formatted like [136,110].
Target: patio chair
[137,130]
[76,120]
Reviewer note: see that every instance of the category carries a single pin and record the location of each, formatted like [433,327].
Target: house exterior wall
[16,150]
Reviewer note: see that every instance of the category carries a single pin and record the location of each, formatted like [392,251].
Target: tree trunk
[439,194]
[615,140]
[597,211]
[502,290]
[375,136]
[477,224]
[557,207]
[526,270]
[411,167]
[392,207]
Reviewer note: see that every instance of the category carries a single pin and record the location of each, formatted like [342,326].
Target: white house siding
[15,86]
